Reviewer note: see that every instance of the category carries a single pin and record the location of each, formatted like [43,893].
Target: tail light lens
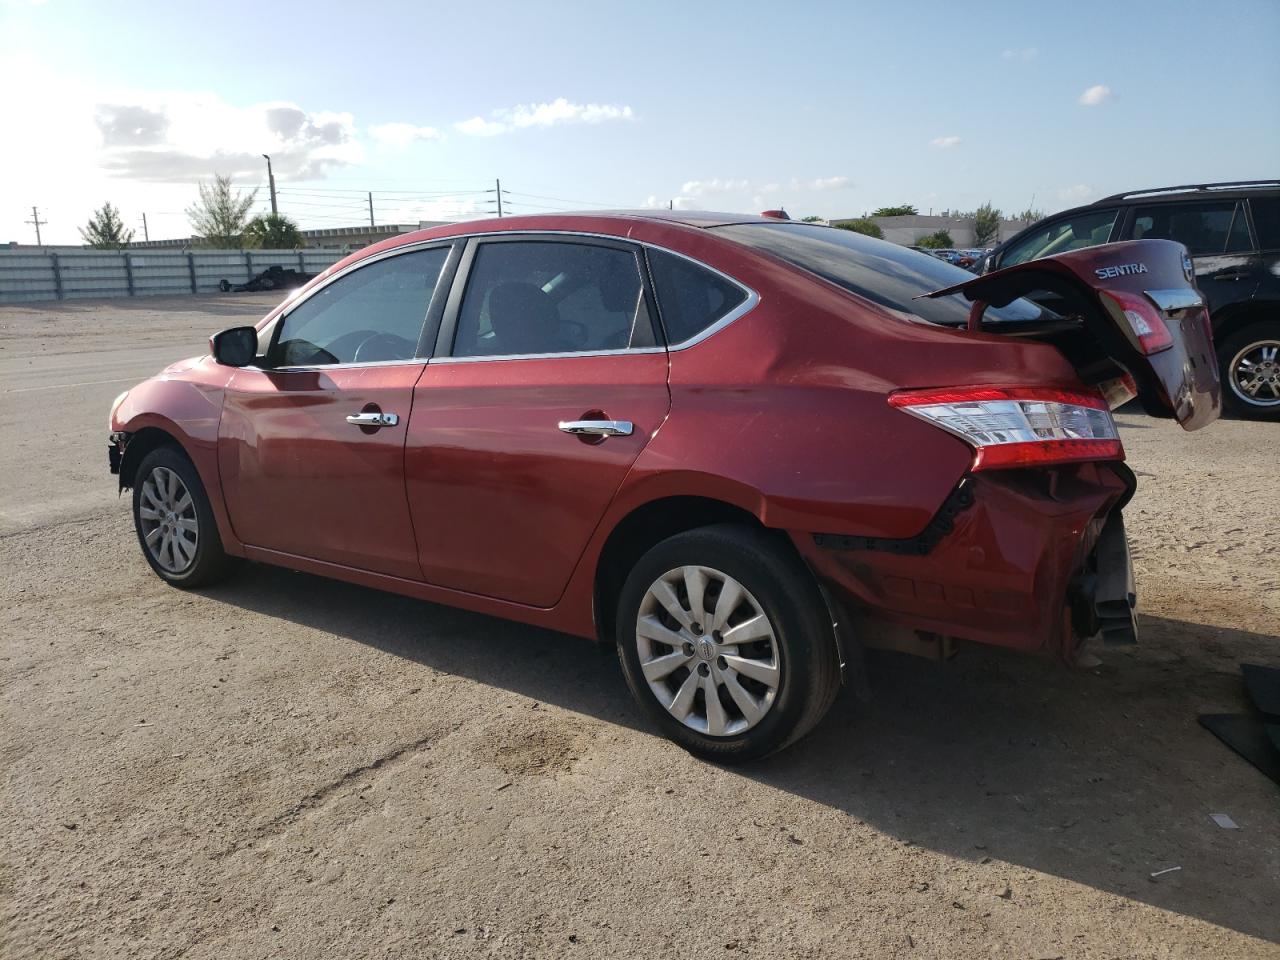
[1019,426]
[1141,316]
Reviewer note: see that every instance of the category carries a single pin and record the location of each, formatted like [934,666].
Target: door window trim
[431,319]
[448,329]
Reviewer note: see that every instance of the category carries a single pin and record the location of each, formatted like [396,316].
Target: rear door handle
[598,428]
[373,419]
[1228,275]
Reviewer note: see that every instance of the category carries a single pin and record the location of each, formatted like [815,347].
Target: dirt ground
[290,767]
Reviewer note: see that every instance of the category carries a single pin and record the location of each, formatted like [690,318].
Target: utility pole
[671,204]
[497,188]
[36,222]
[271,182]
[145,235]
[371,223]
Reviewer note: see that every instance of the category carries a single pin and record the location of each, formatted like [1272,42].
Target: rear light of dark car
[1019,426]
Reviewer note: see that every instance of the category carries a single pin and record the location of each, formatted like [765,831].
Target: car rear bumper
[1012,559]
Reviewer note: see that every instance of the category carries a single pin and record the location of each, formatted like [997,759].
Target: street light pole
[271,182]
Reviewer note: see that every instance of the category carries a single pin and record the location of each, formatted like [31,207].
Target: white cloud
[825,183]
[402,134]
[697,188]
[1095,95]
[1074,194]
[945,142]
[558,111]
[1025,54]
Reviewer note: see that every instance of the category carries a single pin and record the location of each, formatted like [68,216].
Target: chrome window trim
[620,352]
[318,368]
[741,310]
[747,305]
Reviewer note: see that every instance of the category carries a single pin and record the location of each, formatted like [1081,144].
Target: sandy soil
[289,767]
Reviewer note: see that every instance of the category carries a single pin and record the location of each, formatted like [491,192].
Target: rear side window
[876,270]
[1266,220]
[1084,229]
[1203,228]
[690,298]
[539,297]
[373,314]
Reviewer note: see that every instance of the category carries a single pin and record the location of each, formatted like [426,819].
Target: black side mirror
[235,347]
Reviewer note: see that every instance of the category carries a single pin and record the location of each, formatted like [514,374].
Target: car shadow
[1101,777]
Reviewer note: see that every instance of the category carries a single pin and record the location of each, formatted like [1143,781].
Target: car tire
[769,691]
[1258,342]
[175,523]
[224,285]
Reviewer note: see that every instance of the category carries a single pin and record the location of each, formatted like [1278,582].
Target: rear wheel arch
[644,528]
[1236,317]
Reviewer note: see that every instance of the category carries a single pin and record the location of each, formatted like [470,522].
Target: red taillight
[1140,316]
[1019,426]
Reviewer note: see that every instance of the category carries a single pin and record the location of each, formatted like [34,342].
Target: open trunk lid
[1139,306]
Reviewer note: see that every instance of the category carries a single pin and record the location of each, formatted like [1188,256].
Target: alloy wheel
[167,515]
[708,651]
[1255,373]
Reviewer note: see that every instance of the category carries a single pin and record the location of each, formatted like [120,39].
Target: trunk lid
[1139,306]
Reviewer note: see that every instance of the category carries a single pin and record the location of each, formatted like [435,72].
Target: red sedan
[740,448]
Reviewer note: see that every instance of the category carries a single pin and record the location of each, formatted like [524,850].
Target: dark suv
[1231,230]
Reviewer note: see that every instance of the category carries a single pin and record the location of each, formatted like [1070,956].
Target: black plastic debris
[1255,736]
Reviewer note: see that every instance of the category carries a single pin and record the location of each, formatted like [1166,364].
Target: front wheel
[724,641]
[175,523]
[1250,361]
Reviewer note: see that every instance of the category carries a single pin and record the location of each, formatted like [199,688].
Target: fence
[66,275]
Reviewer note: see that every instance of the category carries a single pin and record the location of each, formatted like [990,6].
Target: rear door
[1139,301]
[548,381]
[1228,267]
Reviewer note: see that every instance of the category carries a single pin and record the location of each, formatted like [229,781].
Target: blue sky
[825,108]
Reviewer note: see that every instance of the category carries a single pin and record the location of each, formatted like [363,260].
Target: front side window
[1085,229]
[532,297]
[690,298]
[372,314]
[1203,228]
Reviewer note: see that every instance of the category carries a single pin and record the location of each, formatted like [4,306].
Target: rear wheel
[724,641]
[175,523]
[1250,360]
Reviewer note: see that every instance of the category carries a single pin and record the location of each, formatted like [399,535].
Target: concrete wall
[32,273]
[908,230]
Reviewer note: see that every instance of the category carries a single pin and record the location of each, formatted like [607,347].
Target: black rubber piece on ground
[1264,687]
[1248,736]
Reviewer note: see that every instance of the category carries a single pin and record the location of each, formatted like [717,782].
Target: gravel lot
[289,767]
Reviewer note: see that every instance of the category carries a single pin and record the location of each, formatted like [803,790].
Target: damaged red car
[739,448]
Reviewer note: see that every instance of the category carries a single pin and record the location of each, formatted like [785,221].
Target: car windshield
[882,272]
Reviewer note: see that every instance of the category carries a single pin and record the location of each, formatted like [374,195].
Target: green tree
[105,230]
[1030,214]
[936,241]
[219,218]
[275,231]
[863,225]
[812,218]
[902,210]
[986,224]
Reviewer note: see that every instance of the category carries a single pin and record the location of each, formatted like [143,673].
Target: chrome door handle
[373,419]
[598,428]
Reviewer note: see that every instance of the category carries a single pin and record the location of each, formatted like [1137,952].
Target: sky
[823,108]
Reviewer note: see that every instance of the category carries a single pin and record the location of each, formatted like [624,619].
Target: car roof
[1233,190]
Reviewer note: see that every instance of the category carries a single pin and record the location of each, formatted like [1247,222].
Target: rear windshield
[882,272]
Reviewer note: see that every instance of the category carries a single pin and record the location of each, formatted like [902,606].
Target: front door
[311,441]
[552,384]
